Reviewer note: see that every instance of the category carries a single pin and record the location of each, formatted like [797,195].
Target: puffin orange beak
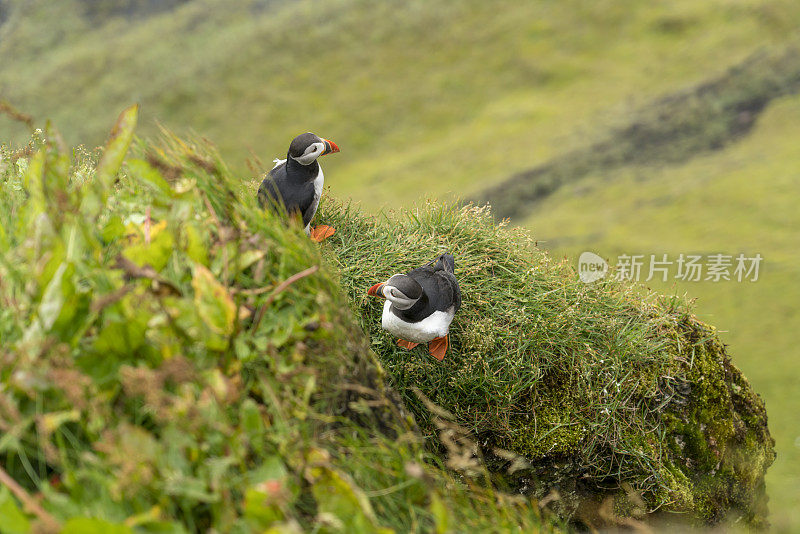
[376,291]
[330,146]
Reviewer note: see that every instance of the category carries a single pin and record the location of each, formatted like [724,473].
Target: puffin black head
[401,290]
[307,147]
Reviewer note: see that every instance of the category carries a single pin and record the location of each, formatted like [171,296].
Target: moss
[718,438]
[717,445]
[555,429]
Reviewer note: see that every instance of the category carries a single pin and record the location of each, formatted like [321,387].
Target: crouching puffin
[296,182]
[420,305]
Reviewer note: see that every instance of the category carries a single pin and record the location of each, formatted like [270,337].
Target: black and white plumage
[421,304]
[296,182]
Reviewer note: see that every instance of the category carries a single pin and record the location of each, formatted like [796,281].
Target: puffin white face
[307,147]
[398,299]
[312,152]
[401,290]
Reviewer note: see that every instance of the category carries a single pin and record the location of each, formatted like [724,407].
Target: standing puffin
[296,182]
[420,305]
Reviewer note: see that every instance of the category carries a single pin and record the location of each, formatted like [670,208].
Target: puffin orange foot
[321,233]
[408,345]
[438,347]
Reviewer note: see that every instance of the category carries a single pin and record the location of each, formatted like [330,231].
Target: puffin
[421,304]
[296,182]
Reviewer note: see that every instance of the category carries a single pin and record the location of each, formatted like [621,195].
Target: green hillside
[451,98]
[467,92]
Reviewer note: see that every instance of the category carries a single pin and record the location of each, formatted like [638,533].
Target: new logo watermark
[684,267]
[591,267]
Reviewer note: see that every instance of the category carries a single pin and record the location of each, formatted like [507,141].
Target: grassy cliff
[176,359]
[603,392]
[436,96]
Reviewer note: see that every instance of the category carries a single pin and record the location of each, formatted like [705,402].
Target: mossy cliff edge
[174,359]
[603,392]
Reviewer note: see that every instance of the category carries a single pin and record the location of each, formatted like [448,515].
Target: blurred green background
[624,127]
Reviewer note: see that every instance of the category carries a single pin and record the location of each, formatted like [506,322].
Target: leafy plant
[175,359]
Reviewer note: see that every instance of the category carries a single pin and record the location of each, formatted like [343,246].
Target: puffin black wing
[277,189]
[445,262]
[444,268]
[439,286]
[269,195]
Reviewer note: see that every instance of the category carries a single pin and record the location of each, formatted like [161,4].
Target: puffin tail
[445,262]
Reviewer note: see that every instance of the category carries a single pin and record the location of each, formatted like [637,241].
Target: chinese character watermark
[685,267]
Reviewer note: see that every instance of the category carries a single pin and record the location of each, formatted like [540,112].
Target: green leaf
[88,525]
[252,423]
[249,257]
[149,176]
[12,520]
[440,514]
[191,488]
[121,338]
[56,179]
[214,303]
[272,491]
[59,290]
[117,146]
[113,229]
[157,252]
[53,298]
[338,496]
[196,248]
[272,468]
[34,176]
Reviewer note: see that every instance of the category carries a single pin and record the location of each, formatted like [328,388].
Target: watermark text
[684,267]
